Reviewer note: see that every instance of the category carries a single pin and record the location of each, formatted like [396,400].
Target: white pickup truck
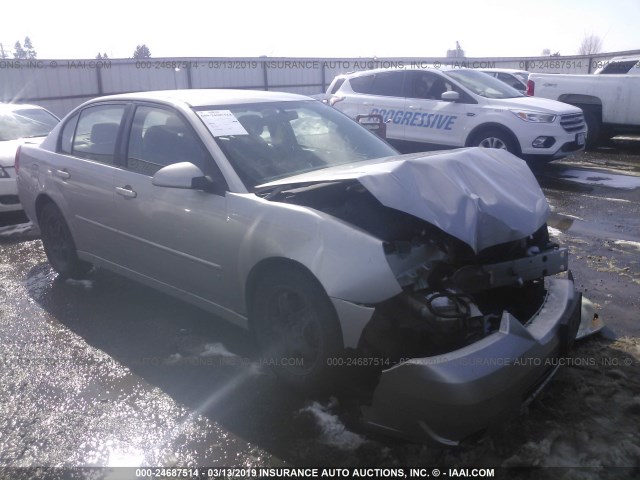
[610,102]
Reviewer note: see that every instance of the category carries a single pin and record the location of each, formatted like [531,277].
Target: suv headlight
[534,116]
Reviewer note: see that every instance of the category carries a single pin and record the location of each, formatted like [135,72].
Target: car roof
[205,97]
[443,68]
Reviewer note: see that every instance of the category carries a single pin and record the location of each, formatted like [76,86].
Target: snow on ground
[333,432]
[635,245]
[216,350]
[554,232]
[15,230]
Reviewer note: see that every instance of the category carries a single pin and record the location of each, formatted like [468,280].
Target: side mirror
[450,96]
[184,175]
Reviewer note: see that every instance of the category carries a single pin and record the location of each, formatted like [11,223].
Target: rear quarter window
[66,137]
[337,85]
[361,84]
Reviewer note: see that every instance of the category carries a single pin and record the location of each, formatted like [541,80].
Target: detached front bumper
[455,396]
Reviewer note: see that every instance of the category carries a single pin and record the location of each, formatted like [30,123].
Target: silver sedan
[429,280]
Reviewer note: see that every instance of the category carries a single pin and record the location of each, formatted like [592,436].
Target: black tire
[594,129]
[59,245]
[297,329]
[495,138]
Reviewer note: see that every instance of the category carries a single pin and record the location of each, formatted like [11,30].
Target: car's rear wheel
[495,138]
[59,245]
[297,329]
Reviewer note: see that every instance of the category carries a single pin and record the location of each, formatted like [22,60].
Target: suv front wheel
[494,138]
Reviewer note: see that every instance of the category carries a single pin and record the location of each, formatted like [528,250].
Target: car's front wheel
[59,245]
[297,329]
[494,138]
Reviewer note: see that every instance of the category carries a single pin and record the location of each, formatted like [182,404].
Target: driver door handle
[126,191]
[62,174]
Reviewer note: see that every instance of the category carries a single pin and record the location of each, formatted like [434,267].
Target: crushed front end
[471,337]
[486,303]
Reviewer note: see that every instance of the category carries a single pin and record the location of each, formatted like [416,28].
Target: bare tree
[590,44]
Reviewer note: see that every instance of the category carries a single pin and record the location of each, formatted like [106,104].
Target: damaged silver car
[431,275]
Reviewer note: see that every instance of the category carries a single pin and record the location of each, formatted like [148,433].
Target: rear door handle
[62,174]
[126,191]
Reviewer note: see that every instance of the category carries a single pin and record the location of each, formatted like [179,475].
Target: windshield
[620,67]
[32,122]
[483,84]
[269,141]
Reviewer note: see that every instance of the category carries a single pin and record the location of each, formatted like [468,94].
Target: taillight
[17,161]
[531,87]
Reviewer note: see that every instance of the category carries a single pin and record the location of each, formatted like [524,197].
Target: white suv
[460,108]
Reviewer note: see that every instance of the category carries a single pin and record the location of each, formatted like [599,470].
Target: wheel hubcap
[58,241]
[493,142]
[294,330]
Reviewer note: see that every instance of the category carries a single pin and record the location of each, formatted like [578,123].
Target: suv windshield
[269,141]
[483,84]
[31,122]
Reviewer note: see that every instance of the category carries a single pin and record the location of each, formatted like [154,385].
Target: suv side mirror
[450,96]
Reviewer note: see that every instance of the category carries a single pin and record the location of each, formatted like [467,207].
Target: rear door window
[389,84]
[97,132]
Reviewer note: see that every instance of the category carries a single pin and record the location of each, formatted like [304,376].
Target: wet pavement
[105,372]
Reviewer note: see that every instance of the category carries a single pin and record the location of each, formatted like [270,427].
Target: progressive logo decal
[417,119]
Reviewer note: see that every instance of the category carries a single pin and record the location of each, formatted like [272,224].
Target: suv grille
[573,122]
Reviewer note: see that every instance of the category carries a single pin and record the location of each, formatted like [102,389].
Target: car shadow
[200,360]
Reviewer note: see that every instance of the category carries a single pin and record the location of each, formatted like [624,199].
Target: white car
[514,78]
[18,124]
[460,108]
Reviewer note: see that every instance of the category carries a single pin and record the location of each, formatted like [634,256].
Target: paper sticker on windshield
[222,122]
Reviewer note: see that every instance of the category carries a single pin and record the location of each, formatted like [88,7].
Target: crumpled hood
[483,197]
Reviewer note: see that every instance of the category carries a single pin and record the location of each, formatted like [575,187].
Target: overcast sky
[65,29]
